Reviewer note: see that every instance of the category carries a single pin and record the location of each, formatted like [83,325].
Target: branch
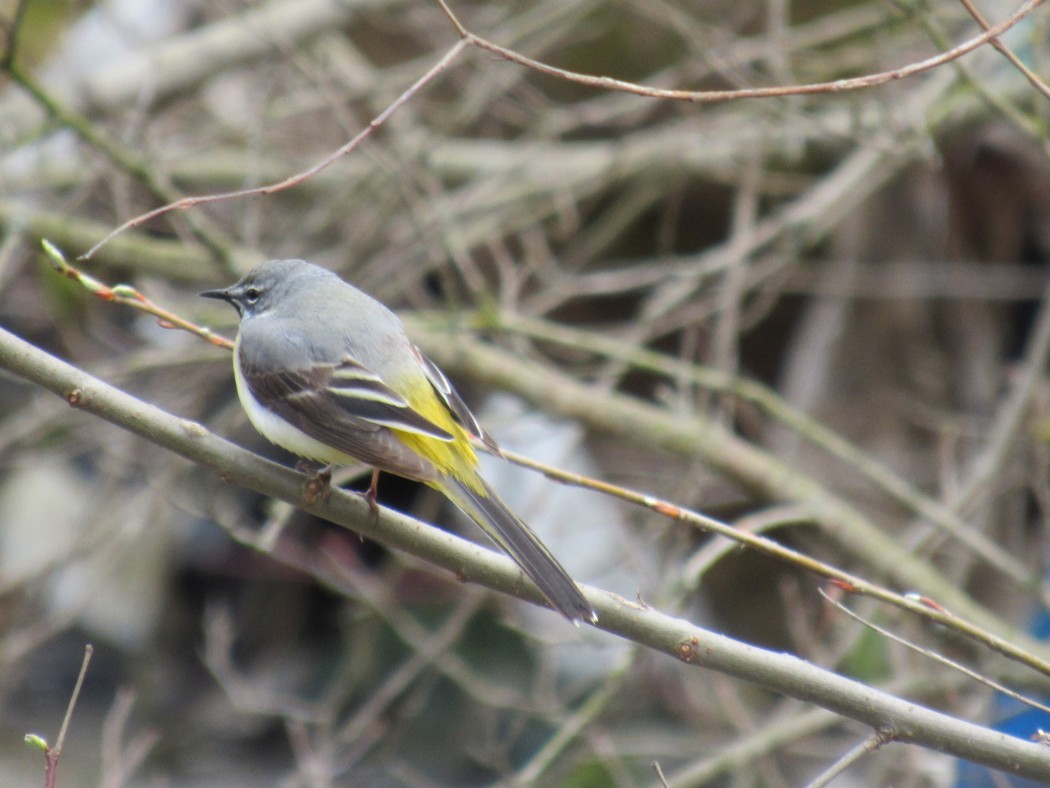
[1030,75]
[921,604]
[53,754]
[698,438]
[710,96]
[129,161]
[293,180]
[162,70]
[692,645]
[766,400]
[174,260]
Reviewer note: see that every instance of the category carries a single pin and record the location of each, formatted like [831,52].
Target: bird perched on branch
[328,373]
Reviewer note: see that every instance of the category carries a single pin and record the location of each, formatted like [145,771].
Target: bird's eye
[251,295]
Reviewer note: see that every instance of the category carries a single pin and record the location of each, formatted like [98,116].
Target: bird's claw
[318,485]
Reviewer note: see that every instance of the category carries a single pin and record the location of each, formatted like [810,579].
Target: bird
[328,373]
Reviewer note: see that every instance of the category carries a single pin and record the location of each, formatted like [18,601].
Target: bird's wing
[346,406]
[455,404]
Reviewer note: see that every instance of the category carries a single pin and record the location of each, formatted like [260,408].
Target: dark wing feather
[351,411]
[457,407]
[364,395]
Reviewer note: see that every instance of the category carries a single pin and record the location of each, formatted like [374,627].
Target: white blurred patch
[584,529]
[99,562]
[102,35]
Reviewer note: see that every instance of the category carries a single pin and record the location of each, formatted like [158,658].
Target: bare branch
[673,637]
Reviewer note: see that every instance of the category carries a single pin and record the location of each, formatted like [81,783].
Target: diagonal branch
[698,438]
[692,645]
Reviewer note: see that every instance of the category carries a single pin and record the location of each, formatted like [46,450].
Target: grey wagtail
[329,374]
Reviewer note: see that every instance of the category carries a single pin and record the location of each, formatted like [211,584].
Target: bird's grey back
[317,317]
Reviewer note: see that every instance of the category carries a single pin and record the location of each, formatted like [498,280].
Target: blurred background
[877,258]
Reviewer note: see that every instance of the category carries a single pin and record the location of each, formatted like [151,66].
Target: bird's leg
[319,483]
[370,494]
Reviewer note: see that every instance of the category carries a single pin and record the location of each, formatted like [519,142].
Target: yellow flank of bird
[456,457]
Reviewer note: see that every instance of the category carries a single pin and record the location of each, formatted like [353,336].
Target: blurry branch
[874,742]
[922,606]
[904,720]
[1010,415]
[10,27]
[175,261]
[575,723]
[179,64]
[183,63]
[427,652]
[243,691]
[133,164]
[709,96]
[298,178]
[529,169]
[582,167]
[164,70]
[791,724]
[431,649]
[823,32]
[875,159]
[1030,75]
[542,26]
[799,223]
[736,757]
[337,747]
[539,168]
[122,758]
[449,57]
[1030,123]
[697,438]
[377,594]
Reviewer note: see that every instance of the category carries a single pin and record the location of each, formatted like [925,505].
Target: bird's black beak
[221,295]
[229,295]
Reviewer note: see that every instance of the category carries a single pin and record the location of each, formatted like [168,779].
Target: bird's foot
[318,485]
[370,494]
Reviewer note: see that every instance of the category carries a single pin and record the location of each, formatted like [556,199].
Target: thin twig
[294,180]
[54,753]
[129,161]
[917,604]
[711,96]
[88,651]
[934,655]
[866,747]
[996,42]
[127,295]
[943,516]
[572,725]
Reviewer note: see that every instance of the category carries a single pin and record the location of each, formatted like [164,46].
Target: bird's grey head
[269,284]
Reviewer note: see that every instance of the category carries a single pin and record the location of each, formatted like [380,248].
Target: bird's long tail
[485,508]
